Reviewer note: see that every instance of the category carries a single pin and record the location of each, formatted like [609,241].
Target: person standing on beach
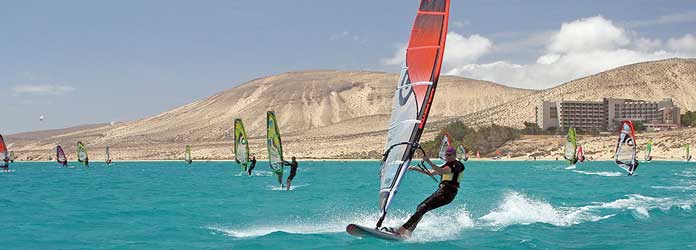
[293,171]
[253,164]
[451,173]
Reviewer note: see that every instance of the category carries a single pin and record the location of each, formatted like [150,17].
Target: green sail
[82,153]
[648,150]
[187,154]
[274,145]
[571,146]
[241,145]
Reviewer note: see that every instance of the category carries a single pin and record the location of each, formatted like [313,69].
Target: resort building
[606,115]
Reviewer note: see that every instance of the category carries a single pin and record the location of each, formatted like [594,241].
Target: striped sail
[60,156]
[625,154]
[413,96]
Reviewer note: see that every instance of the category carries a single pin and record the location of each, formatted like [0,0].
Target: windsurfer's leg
[440,198]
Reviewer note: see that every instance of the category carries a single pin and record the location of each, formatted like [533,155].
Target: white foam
[607,174]
[283,188]
[571,167]
[517,208]
[435,225]
[255,173]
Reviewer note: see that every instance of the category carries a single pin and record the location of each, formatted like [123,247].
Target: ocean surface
[209,205]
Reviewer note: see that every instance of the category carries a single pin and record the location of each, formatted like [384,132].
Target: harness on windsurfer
[451,173]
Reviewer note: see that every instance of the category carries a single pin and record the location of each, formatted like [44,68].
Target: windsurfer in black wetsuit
[451,172]
[252,165]
[293,171]
[6,164]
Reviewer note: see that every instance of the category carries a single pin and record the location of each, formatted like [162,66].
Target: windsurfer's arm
[435,169]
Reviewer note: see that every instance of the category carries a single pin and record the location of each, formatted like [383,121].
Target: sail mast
[413,96]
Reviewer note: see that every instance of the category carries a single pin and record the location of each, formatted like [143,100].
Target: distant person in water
[6,164]
[87,162]
[451,173]
[293,171]
[252,165]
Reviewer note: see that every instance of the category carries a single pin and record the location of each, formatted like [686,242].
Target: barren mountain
[671,78]
[336,114]
[324,113]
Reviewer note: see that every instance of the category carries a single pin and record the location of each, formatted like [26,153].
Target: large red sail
[413,96]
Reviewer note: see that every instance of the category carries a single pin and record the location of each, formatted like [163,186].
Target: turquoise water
[501,205]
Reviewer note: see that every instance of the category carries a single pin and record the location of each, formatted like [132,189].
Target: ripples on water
[501,205]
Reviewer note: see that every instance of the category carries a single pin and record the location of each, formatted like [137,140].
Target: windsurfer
[293,171]
[6,166]
[451,173]
[252,164]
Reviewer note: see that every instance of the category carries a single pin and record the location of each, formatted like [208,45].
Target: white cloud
[686,44]
[42,89]
[458,50]
[578,49]
[587,35]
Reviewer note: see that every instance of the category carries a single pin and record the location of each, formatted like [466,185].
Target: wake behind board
[361,231]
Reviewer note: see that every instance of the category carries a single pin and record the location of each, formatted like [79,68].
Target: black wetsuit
[251,167]
[443,196]
[293,170]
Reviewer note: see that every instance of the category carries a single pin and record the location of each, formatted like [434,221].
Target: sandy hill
[338,114]
[328,113]
[671,78]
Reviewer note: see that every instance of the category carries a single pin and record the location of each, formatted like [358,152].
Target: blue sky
[78,62]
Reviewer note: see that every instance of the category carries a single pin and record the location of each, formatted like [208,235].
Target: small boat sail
[275,146]
[570,148]
[107,155]
[687,150]
[625,155]
[12,156]
[187,155]
[60,156]
[4,155]
[241,145]
[648,151]
[446,143]
[461,153]
[82,153]
[413,98]
[478,153]
[580,154]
